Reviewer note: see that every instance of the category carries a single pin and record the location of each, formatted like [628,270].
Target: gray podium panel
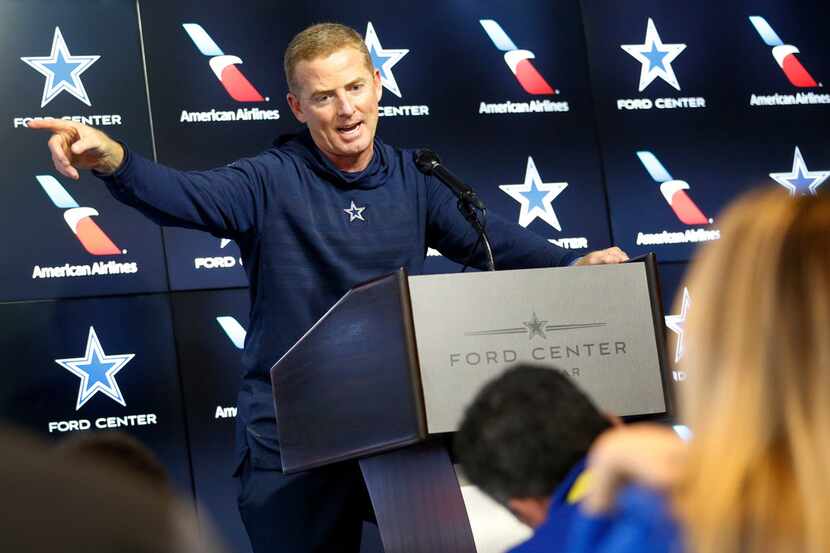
[595,323]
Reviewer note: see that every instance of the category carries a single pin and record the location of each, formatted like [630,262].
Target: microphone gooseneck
[428,163]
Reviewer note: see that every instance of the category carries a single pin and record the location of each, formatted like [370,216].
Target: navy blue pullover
[302,251]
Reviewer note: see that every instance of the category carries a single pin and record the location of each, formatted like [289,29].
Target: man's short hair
[318,41]
[525,431]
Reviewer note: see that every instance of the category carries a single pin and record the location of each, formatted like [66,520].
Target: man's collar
[573,487]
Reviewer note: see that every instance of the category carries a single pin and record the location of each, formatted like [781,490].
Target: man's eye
[357,86]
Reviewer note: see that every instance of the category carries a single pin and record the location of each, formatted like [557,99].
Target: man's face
[337,97]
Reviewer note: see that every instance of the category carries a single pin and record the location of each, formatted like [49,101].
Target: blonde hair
[319,41]
[758,390]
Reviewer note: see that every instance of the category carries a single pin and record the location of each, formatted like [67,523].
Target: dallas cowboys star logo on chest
[355,213]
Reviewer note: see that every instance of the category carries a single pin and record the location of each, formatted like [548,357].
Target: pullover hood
[301,145]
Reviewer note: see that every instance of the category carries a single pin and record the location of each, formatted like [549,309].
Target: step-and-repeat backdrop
[592,123]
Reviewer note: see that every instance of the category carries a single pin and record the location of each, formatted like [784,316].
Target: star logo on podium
[800,181]
[384,59]
[535,197]
[655,57]
[535,327]
[97,371]
[62,71]
[677,323]
[355,213]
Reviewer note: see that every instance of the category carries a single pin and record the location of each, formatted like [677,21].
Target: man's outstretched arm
[226,201]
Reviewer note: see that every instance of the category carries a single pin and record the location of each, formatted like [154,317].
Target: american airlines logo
[791,66]
[518,60]
[93,239]
[235,331]
[528,77]
[674,191]
[784,54]
[236,334]
[238,87]
[224,66]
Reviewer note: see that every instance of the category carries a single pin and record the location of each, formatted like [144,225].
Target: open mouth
[349,131]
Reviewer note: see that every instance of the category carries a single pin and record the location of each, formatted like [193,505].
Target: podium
[391,366]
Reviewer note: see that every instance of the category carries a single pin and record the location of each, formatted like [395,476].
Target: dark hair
[119,452]
[524,431]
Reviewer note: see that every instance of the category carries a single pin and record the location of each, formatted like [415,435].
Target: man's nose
[344,104]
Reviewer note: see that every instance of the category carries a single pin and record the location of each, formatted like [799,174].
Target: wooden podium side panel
[350,386]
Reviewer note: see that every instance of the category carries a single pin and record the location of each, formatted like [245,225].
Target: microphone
[428,163]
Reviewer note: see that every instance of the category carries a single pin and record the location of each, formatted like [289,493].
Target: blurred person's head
[53,505]
[758,391]
[119,452]
[522,435]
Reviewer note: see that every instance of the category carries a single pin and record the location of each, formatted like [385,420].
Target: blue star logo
[62,71]
[384,59]
[655,57]
[677,324]
[800,181]
[536,197]
[97,371]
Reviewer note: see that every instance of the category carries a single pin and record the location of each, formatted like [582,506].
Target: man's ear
[530,510]
[377,84]
[296,108]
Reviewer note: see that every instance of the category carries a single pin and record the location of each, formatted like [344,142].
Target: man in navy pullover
[320,212]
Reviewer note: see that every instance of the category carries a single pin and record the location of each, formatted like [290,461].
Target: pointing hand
[76,146]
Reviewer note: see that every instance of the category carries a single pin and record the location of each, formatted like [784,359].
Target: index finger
[54,125]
